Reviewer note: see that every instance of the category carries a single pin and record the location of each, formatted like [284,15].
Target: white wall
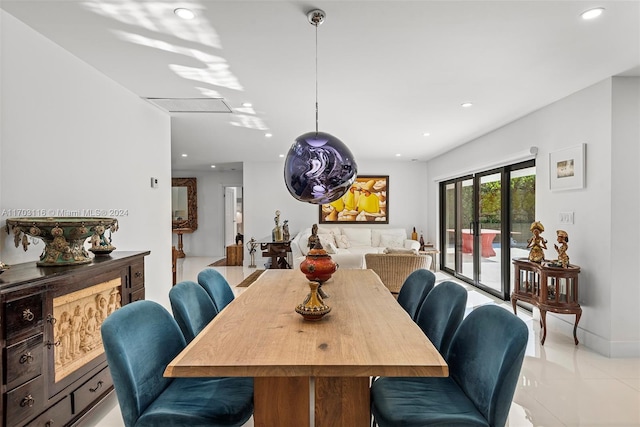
[265,192]
[584,117]
[208,239]
[625,213]
[73,139]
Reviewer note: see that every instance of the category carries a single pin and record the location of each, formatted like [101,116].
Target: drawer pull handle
[51,319]
[53,344]
[98,387]
[28,401]
[28,315]
[26,358]
[138,274]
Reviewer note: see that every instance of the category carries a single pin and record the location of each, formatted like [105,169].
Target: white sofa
[348,245]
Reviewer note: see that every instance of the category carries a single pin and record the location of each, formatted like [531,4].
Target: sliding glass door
[476,224]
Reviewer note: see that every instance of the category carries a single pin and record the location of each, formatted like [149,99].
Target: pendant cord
[316,25]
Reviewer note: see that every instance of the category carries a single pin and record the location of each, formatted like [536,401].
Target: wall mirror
[184,203]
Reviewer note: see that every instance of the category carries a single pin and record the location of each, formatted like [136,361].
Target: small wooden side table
[180,232]
[433,252]
[549,288]
[235,254]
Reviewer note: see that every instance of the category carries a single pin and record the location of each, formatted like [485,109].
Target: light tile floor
[560,384]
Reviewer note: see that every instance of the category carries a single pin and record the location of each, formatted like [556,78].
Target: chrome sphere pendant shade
[319,168]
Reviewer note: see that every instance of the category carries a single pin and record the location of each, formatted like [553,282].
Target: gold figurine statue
[561,248]
[536,243]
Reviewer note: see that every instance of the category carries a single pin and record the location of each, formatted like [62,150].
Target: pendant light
[319,168]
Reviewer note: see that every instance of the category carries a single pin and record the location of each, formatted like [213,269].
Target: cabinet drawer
[87,393]
[23,314]
[137,275]
[25,401]
[137,295]
[24,361]
[57,415]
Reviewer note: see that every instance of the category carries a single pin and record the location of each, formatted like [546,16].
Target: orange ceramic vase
[318,265]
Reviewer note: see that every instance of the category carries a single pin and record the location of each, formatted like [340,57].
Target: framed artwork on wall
[365,202]
[567,168]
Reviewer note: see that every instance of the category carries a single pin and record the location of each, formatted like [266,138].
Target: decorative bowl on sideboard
[63,237]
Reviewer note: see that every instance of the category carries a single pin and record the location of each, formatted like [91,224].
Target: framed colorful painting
[365,202]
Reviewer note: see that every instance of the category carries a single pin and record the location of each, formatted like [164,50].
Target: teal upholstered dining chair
[216,286]
[415,289]
[441,314]
[485,358]
[192,308]
[140,340]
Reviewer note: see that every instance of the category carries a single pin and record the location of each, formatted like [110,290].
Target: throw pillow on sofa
[400,251]
[328,243]
[391,241]
[376,234]
[342,241]
[358,236]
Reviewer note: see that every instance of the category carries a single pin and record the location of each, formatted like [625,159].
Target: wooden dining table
[311,373]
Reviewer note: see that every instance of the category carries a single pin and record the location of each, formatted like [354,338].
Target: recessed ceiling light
[247,104]
[184,155]
[398,155]
[184,13]
[426,134]
[213,166]
[467,104]
[592,13]
[281,155]
[268,135]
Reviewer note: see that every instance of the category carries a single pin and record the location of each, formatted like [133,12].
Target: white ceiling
[388,71]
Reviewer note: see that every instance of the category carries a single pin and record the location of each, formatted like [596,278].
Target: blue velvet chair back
[441,314]
[216,286]
[485,359]
[140,339]
[415,289]
[192,308]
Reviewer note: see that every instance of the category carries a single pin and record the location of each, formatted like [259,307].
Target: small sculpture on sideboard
[276,233]
[536,243]
[561,248]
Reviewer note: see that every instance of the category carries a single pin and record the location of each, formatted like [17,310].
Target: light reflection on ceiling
[250,122]
[216,71]
[245,110]
[159,18]
[209,92]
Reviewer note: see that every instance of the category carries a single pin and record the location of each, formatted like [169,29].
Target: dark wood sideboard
[54,370]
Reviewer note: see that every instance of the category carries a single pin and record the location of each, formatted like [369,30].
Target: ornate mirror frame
[191,223]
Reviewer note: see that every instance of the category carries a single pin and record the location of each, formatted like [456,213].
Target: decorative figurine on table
[536,243]
[285,231]
[422,245]
[314,236]
[561,248]
[252,245]
[276,233]
[100,244]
